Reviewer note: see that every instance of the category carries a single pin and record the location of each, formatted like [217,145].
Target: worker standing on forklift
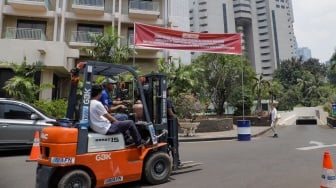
[170,108]
[104,123]
[110,105]
[173,127]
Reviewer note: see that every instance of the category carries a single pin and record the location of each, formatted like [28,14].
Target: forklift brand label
[114,179]
[111,139]
[62,160]
[85,113]
[103,157]
[87,96]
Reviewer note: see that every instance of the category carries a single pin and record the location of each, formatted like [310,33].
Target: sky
[315,26]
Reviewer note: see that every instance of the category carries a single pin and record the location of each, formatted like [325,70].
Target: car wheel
[74,179]
[157,168]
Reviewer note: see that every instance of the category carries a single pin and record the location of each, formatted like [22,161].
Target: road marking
[318,145]
[290,117]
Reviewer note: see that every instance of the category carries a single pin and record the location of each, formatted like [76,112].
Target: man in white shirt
[104,123]
[274,120]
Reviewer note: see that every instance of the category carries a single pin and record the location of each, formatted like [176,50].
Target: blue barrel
[244,130]
[333,109]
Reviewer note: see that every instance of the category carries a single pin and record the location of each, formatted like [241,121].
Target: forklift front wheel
[75,178]
[157,168]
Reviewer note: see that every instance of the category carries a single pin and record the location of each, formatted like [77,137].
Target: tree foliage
[313,66]
[302,82]
[107,49]
[289,72]
[258,87]
[22,86]
[223,73]
[181,79]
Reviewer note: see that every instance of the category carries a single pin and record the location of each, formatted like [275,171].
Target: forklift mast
[156,98]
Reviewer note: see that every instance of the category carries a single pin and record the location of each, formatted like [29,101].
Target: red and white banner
[158,37]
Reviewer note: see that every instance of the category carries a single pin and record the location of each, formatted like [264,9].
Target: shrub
[327,108]
[56,108]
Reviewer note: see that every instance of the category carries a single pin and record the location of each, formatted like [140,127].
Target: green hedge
[56,108]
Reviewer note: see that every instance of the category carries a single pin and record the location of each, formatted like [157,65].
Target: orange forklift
[74,156]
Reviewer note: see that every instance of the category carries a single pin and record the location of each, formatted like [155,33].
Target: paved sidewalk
[223,135]
[287,118]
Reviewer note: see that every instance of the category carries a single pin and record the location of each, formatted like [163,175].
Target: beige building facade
[55,31]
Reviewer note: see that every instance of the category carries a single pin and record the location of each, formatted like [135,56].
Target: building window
[83,30]
[90,28]
[130,36]
[31,29]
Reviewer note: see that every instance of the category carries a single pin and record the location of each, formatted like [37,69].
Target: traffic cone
[35,152]
[328,174]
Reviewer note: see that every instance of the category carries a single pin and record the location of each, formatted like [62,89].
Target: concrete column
[62,36]
[119,23]
[56,19]
[113,13]
[2,3]
[46,77]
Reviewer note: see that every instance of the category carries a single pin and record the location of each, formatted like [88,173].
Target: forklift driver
[104,123]
[110,105]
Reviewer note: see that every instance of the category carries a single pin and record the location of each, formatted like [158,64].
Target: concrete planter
[215,125]
[189,128]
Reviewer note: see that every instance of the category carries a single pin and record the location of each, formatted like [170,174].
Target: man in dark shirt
[173,129]
[170,108]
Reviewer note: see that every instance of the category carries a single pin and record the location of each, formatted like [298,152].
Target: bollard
[244,130]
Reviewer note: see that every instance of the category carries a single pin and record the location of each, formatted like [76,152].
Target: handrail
[144,5]
[83,36]
[97,3]
[25,33]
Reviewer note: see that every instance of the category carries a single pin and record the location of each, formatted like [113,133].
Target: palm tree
[309,86]
[22,85]
[257,88]
[275,90]
[106,48]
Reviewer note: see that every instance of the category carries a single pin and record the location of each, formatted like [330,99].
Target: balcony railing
[31,4]
[145,5]
[25,33]
[83,36]
[95,3]
[88,6]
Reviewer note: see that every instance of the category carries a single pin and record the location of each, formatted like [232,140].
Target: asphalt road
[288,161]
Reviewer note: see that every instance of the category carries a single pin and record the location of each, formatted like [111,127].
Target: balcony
[30,5]
[144,9]
[25,34]
[82,38]
[91,7]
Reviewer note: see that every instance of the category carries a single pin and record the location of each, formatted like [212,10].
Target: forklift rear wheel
[74,179]
[157,168]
